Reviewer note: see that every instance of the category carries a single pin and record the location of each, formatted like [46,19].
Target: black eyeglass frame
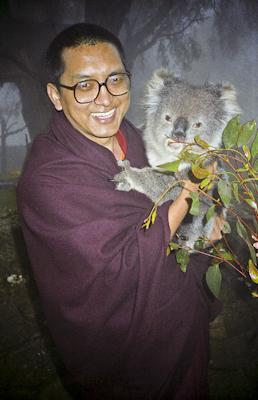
[100,85]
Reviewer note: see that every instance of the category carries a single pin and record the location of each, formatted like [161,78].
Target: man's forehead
[91,50]
[104,52]
[85,59]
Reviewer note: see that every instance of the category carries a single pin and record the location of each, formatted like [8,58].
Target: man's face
[91,62]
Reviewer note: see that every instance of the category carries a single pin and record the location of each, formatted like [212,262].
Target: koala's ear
[227,93]
[156,83]
[216,89]
[229,96]
[220,89]
[154,88]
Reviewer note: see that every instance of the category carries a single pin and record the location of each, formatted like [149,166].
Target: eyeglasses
[88,90]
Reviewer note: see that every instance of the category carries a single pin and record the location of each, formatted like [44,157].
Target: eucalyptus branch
[222,259]
[231,251]
[240,161]
[152,215]
[215,257]
[225,159]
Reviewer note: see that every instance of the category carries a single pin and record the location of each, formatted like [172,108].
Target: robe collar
[79,144]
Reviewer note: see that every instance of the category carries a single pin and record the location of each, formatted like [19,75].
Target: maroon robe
[118,308]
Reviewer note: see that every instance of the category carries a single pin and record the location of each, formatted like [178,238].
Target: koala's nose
[180,128]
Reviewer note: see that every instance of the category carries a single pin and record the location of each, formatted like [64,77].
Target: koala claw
[121,183]
[121,179]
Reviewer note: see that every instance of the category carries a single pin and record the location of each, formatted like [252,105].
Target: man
[126,321]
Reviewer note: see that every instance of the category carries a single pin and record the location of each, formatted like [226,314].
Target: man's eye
[85,85]
[115,79]
[168,118]
[197,125]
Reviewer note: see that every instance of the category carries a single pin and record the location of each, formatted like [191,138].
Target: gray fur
[178,111]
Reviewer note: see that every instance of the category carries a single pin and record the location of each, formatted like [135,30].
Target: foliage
[237,193]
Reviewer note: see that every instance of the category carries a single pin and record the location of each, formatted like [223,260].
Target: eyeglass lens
[88,90]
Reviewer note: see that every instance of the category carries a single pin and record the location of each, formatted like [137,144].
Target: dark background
[200,40]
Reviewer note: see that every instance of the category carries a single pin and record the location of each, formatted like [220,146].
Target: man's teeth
[104,115]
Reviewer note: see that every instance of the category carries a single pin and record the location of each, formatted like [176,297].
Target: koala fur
[175,112]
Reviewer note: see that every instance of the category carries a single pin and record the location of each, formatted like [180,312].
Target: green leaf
[201,143]
[200,244]
[225,192]
[235,191]
[226,255]
[218,249]
[255,166]
[226,228]
[252,252]
[247,152]
[153,215]
[251,203]
[205,182]
[199,172]
[230,133]
[242,169]
[210,213]
[245,133]
[210,186]
[171,166]
[254,148]
[173,246]
[213,279]
[187,155]
[182,257]
[195,206]
[150,219]
[242,232]
[255,222]
[253,271]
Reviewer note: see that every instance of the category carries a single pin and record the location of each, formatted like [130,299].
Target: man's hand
[189,187]
[216,234]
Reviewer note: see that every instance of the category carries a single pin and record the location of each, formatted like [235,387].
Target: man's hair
[75,36]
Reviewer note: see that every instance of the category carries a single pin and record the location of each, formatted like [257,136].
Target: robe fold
[117,307]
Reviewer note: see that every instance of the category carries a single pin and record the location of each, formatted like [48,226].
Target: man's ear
[54,96]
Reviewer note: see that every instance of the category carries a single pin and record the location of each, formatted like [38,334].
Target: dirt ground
[31,369]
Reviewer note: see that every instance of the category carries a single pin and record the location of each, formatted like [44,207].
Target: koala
[175,112]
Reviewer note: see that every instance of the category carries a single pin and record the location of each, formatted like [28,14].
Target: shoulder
[42,152]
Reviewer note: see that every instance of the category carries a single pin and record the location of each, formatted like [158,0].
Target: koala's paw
[123,164]
[121,180]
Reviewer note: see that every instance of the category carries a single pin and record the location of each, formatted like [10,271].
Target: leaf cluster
[236,190]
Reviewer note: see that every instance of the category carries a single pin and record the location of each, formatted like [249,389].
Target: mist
[199,40]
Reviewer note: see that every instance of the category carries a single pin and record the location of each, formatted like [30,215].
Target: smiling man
[98,97]
[125,319]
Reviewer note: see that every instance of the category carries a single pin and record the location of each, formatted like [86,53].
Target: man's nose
[104,97]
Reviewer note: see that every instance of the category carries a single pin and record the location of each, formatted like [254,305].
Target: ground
[31,369]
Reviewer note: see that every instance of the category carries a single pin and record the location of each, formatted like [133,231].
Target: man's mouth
[103,116]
